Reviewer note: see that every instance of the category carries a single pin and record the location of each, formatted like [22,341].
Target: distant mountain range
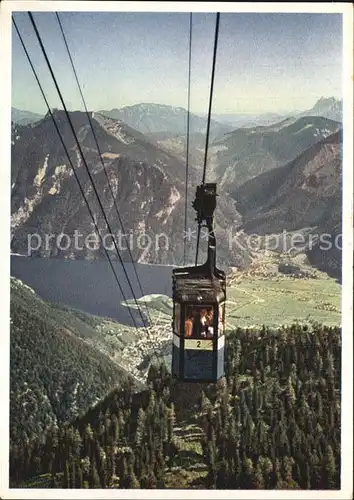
[24,117]
[236,120]
[163,119]
[248,152]
[45,192]
[302,188]
[147,182]
[305,193]
[147,173]
[327,107]
[166,127]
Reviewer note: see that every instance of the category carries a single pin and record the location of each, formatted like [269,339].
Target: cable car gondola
[199,295]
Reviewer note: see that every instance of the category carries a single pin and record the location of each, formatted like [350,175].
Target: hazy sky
[265,62]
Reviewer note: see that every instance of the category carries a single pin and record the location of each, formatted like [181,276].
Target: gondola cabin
[199,295]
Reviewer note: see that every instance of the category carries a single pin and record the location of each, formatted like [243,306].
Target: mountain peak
[23,117]
[152,118]
[327,107]
[327,100]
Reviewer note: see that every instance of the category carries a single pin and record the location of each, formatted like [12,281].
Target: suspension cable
[209,118]
[102,162]
[84,162]
[198,240]
[211,93]
[187,145]
[73,168]
[81,189]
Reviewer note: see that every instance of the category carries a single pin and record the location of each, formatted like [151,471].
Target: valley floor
[260,370]
[253,301]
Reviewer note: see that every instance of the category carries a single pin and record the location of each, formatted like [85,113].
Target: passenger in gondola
[221,320]
[203,322]
[189,326]
[210,324]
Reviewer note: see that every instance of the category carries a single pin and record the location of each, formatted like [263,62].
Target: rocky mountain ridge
[328,107]
[303,197]
[151,119]
[22,117]
[248,152]
[147,182]
[148,179]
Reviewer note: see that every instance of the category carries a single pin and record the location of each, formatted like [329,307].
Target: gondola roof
[199,284]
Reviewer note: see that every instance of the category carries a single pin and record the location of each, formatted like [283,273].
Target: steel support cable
[72,166]
[198,239]
[84,162]
[101,160]
[187,145]
[78,181]
[209,118]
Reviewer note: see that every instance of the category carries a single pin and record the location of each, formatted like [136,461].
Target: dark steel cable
[102,162]
[198,239]
[72,166]
[84,160]
[187,145]
[78,181]
[211,93]
[209,118]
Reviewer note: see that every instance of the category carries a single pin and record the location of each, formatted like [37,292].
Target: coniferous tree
[258,480]
[78,475]
[66,480]
[171,419]
[140,429]
[94,477]
[329,465]
[261,428]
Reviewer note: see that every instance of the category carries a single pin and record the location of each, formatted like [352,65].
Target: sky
[266,62]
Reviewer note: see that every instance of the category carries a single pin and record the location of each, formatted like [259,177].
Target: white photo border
[346,9]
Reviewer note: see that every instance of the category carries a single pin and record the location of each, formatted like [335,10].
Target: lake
[90,285]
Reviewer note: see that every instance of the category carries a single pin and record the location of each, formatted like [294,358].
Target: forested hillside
[54,375]
[272,423]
